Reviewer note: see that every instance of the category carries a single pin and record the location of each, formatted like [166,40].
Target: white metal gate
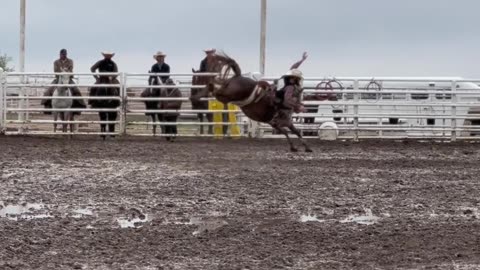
[348,108]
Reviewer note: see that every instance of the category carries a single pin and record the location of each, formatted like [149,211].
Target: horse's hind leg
[299,135]
[285,132]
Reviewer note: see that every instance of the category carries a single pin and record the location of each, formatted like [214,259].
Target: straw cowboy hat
[159,54]
[210,50]
[105,53]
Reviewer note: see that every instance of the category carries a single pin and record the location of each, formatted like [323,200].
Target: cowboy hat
[293,73]
[108,53]
[159,53]
[210,50]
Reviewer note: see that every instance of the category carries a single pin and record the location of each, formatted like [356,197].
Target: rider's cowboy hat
[105,53]
[210,50]
[293,73]
[159,54]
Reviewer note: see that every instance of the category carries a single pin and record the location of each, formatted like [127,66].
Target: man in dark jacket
[159,67]
[106,65]
[204,64]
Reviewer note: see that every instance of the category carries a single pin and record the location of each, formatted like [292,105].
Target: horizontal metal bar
[59,122]
[187,123]
[165,98]
[63,97]
[378,115]
[61,110]
[384,91]
[179,86]
[184,111]
[26,85]
[404,103]
[186,135]
[59,133]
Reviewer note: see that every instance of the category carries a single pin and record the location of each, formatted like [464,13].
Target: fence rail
[347,107]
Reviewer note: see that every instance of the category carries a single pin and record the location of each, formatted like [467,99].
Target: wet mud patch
[237,204]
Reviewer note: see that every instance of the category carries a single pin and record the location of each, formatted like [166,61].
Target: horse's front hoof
[308,150]
[293,149]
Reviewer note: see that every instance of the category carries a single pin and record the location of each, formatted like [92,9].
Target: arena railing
[440,108]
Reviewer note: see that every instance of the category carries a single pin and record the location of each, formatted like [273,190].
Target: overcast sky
[343,37]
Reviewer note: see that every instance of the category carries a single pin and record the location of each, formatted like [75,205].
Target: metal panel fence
[344,108]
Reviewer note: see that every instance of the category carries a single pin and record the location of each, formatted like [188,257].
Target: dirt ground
[143,203]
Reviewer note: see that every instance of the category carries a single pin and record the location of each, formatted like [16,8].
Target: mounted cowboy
[106,65]
[208,64]
[159,67]
[288,98]
[63,64]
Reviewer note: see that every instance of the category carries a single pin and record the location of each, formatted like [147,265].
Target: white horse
[66,103]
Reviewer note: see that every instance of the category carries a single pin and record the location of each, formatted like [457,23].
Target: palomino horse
[201,104]
[106,103]
[65,103]
[254,98]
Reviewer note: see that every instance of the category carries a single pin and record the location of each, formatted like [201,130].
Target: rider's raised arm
[297,64]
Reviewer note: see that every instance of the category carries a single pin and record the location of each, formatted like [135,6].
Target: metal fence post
[123,97]
[355,110]
[454,112]
[2,102]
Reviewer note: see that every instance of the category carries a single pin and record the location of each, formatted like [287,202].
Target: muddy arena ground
[143,203]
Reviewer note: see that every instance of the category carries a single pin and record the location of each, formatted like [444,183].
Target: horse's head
[64,78]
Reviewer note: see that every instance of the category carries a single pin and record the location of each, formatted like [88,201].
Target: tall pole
[263,34]
[21,104]
[22,35]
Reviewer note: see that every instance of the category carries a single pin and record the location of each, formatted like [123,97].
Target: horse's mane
[225,59]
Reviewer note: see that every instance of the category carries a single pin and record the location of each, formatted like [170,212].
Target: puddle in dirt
[131,223]
[79,213]
[23,211]
[207,224]
[367,219]
[310,218]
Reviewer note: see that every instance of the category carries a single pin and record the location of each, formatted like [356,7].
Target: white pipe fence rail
[428,108]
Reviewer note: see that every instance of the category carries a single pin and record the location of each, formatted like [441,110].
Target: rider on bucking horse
[288,98]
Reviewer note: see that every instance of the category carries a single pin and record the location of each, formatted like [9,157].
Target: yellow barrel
[215,105]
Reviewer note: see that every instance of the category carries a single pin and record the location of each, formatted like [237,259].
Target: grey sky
[343,37]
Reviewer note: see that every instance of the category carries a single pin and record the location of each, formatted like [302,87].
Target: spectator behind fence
[106,65]
[63,64]
[171,105]
[159,67]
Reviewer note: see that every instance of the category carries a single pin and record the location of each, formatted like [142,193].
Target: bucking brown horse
[256,99]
